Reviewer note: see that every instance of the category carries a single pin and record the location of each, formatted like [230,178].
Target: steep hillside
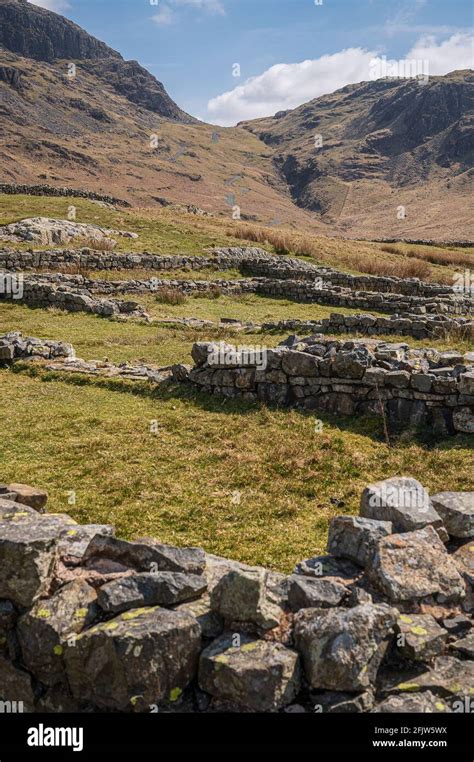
[112,128]
[355,156]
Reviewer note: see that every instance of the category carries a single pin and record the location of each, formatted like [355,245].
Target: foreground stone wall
[383,623]
[409,388]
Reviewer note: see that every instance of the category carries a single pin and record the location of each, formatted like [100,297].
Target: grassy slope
[96,338]
[168,231]
[179,485]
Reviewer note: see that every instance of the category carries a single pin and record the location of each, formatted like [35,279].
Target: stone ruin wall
[90,622]
[409,388]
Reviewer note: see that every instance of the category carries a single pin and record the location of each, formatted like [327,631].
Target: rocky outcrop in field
[383,623]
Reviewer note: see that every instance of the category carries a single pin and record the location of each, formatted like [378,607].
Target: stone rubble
[384,623]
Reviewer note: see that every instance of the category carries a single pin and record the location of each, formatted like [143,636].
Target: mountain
[35,33]
[378,143]
[112,128]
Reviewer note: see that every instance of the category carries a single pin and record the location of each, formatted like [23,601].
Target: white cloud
[52,5]
[164,16]
[167,13]
[454,53]
[286,86]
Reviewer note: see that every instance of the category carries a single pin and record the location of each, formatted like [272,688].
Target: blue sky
[290,50]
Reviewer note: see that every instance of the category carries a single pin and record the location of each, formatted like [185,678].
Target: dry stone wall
[14,189]
[409,388]
[91,622]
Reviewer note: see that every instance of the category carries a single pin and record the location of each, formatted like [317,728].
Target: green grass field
[238,479]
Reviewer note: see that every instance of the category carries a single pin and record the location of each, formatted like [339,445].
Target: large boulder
[342,648]
[457,511]
[404,502]
[353,537]
[141,658]
[150,589]
[255,674]
[415,565]
[44,630]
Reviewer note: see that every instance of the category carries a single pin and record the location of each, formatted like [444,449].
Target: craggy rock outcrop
[409,388]
[48,232]
[89,622]
[38,33]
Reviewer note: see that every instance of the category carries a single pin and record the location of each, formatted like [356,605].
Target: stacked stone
[39,292]
[420,326]
[338,296]
[14,347]
[42,291]
[410,388]
[383,623]
[14,189]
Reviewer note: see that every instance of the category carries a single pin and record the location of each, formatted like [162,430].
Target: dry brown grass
[169,295]
[285,242]
[446,257]
[97,244]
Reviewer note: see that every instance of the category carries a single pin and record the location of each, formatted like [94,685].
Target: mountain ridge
[386,144]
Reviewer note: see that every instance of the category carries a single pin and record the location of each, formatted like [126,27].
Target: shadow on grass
[170,390]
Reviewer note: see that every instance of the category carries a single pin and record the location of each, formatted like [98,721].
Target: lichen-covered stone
[73,542]
[210,622]
[420,637]
[28,554]
[45,628]
[141,658]
[353,537]
[255,674]
[328,566]
[457,511]
[415,565]
[418,703]
[147,554]
[447,677]
[310,592]
[402,501]
[338,702]
[241,596]
[150,589]
[342,648]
